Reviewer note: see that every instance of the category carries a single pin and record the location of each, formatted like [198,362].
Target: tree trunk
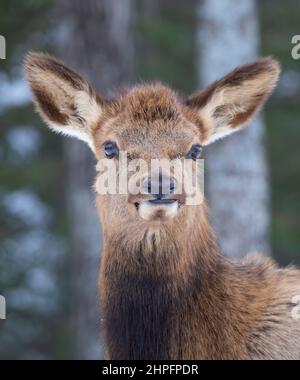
[95,38]
[237,180]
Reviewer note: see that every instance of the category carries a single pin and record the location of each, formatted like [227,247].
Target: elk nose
[160,187]
[172,185]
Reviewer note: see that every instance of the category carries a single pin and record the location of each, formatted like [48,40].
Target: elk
[166,290]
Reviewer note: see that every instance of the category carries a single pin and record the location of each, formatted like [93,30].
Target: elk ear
[64,99]
[226,105]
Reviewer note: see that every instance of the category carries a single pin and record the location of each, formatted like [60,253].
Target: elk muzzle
[159,200]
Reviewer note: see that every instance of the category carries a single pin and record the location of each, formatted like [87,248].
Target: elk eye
[111,149]
[195,152]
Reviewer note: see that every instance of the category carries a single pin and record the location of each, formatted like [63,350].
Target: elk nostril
[172,185]
[163,186]
[147,185]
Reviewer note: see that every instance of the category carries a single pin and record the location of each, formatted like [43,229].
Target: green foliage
[31,331]
[279,22]
[168,40]
[20,23]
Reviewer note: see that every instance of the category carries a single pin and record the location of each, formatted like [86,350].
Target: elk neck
[157,283]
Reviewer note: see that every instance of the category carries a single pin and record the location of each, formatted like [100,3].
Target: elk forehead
[151,102]
[150,121]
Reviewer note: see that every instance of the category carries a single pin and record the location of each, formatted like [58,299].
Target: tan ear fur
[64,99]
[226,105]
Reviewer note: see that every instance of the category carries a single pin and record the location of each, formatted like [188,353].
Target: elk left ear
[226,105]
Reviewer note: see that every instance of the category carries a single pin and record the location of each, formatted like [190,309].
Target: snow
[27,207]
[24,142]
[289,84]
[13,92]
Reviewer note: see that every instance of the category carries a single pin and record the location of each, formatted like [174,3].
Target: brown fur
[166,291]
[252,74]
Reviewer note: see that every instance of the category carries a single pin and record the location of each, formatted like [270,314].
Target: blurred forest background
[49,240]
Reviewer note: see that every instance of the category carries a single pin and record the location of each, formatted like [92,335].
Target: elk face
[145,126]
[149,141]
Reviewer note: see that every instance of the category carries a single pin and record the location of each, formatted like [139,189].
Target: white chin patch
[151,211]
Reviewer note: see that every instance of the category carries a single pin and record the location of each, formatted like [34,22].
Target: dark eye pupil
[195,152]
[111,149]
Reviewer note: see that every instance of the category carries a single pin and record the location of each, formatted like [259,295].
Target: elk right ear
[64,99]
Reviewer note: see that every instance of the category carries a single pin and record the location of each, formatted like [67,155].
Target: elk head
[147,122]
